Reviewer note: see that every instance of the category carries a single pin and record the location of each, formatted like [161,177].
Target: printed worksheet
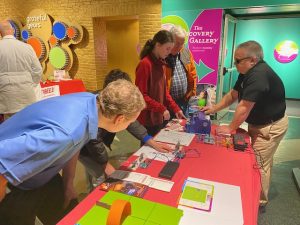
[131,176]
[156,183]
[173,137]
[197,195]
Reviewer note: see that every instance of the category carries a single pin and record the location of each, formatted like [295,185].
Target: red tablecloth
[66,86]
[215,163]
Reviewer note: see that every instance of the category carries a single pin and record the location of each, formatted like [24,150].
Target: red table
[215,163]
[66,86]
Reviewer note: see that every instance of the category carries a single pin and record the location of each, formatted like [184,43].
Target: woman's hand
[180,115]
[166,115]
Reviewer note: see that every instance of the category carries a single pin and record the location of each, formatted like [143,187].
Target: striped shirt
[179,79]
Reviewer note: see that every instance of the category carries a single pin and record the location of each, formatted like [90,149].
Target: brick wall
[87,14]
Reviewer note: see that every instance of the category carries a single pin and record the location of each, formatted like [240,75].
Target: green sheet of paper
[130,220]
[165,215]
[96,215]
[141,208]
[194,194]
[143,212]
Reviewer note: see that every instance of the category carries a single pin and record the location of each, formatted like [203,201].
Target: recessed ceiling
[293,9]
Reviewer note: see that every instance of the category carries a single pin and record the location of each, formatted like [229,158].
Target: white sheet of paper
[160,184]
[173,137]
[151,153]
[226,207]
[131,176]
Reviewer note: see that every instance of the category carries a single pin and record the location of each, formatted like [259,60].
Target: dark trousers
[183,105]
[20,207]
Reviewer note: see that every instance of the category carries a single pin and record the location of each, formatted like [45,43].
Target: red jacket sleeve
[143,71]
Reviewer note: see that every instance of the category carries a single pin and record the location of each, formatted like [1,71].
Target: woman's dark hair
[114,75]
[162,37]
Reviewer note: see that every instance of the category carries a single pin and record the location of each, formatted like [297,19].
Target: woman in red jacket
[150,78]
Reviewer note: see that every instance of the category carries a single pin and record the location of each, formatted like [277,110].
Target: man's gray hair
[121,97]
[178,31]
[253,49]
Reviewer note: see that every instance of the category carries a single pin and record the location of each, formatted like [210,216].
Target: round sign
[60,30]
[38,46]
[286,51]
[59,58]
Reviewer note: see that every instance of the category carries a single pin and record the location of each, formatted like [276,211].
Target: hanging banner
[204,39]
[204,43]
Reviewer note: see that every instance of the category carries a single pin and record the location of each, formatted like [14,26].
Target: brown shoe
[263,202]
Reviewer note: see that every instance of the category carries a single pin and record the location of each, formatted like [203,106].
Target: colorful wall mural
[51,40]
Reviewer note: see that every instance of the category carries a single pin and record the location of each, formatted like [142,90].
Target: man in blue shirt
[45,137]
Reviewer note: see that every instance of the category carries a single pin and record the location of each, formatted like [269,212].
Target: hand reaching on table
[180,115]
[108,169]
[224,130]
[166,115]
[161,147]
[207,109]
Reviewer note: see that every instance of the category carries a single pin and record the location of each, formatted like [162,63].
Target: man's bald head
[6,28]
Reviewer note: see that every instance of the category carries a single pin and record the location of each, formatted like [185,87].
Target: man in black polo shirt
[261,97]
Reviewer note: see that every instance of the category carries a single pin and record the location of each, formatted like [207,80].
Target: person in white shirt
[20,72]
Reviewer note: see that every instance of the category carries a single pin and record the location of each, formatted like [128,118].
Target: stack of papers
[226,206]
[156,183]
[197,195]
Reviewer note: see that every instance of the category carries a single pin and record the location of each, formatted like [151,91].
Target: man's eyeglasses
[238,61]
